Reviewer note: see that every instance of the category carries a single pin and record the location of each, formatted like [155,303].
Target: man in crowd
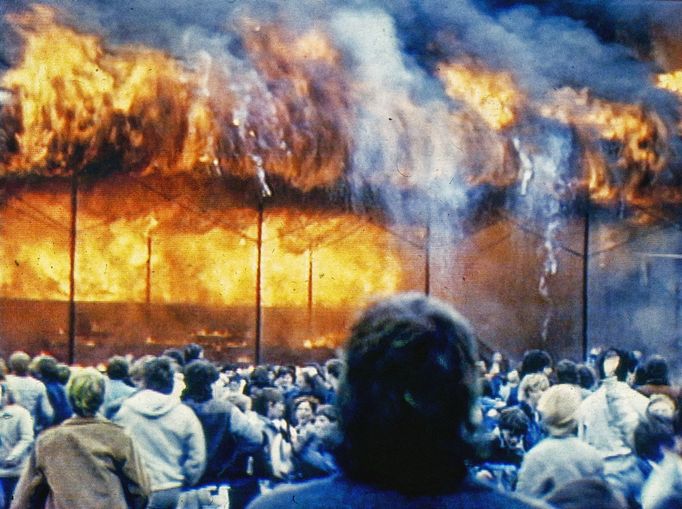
[29,392]
[405,405]
[16,440]
[230,434]
[117,388]
[167,433]
[608,419]
[86,462]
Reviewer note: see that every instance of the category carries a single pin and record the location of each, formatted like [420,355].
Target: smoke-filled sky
[382,102]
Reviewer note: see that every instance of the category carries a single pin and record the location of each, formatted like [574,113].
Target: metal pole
[427,258]
[586,266]
[310,288]
[259,306]
[148,292]
[72,270]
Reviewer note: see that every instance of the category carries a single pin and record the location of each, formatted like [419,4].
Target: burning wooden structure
[252,193]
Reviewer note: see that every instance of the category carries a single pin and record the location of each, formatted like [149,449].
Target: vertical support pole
[148,288]
[586,273]
[678,306]
[310,288]
[427,257]
[259,305]
[72,270]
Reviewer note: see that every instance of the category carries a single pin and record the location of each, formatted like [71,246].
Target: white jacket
[169,437]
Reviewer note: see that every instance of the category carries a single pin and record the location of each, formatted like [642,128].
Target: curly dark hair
[406,396]
[199,378]
[514,420]
[159,375]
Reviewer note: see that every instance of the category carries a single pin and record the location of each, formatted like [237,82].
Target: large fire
[80,106]
[84,107]
[638,136]
[493,95]
[212,263]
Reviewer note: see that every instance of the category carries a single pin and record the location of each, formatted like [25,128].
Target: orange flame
[82,107]
[639,137]
[212,265]
[493,95]
[670,81]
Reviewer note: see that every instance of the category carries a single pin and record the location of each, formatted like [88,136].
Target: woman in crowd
[530,390]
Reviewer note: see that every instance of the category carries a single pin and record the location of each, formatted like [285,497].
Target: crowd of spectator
[410,416]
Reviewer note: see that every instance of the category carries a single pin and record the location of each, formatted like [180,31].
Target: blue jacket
[56,394]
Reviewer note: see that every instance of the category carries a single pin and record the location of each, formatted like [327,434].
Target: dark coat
[338,492]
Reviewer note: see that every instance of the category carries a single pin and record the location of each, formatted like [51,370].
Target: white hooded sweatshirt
[169,437]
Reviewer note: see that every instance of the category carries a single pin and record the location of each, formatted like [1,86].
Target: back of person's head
[514,420]
[158,375]
[176,355]
[652,436]
[260,377]
[63,373]
[586,377]
[535,361]
[558,407]
[567,372]
[117,368]
[85,390]
[19,363]
[137,370]
[285,371]
[656,371]
[614,362]
[47,368]
[406,395]
[535,382]
[586,494]
[193,352]
[200,376]
[268,396]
